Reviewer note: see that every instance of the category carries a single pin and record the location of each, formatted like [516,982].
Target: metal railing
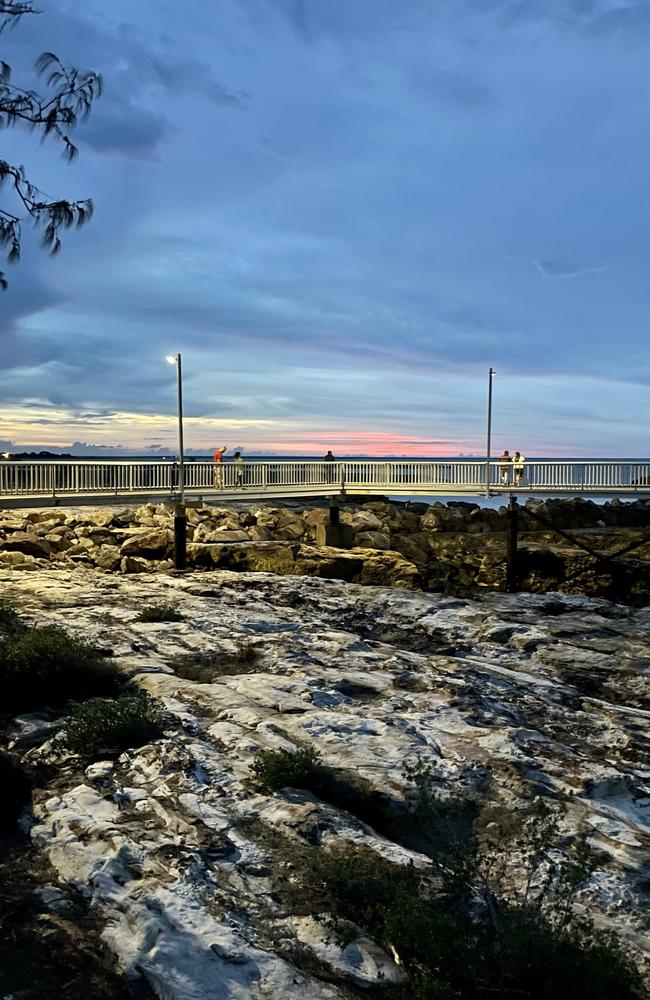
[116,478]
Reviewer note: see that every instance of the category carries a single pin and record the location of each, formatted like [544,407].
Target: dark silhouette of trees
[68,98]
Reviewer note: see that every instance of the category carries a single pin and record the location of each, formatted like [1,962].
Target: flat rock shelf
[179,854]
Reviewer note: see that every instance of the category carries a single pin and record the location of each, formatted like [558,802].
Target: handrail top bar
[312,461]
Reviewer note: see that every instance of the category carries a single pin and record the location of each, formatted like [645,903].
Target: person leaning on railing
[240,469]
[518,467]
[330,472]
[505,461]
[217,458]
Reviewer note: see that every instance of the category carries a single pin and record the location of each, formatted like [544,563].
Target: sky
[342,213]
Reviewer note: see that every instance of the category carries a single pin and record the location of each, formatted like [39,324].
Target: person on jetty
[239,469]
[518,467]
[504,468]
[329,472]
[217,458]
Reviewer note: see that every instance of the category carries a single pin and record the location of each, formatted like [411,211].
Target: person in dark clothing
[330,471]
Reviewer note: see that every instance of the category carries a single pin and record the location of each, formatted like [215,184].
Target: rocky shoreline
[454,548]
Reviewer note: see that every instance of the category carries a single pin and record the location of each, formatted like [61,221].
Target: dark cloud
[125,130]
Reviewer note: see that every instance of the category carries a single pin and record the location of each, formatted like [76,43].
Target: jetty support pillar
[332,532]
[512,524]
[180,536]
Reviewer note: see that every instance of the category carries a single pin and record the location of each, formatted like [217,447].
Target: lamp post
[180,518]
[489,433]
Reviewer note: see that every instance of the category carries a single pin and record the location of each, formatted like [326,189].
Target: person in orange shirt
[217,459]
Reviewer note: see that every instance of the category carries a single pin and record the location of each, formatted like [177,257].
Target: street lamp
[175,359]
[489,433]
[180,519]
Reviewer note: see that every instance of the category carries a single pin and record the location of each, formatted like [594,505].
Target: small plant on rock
[160,613]
[112,724]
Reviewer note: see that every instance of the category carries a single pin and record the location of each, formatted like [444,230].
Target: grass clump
[48,667]
[205,667]
[499,921]
[276,769]
[101,724]
[160,613]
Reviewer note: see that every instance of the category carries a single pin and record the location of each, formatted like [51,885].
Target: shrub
[46,666]
[10,623]
[470,937]
[275,769]
[205,667]
[160,613]
[112,724]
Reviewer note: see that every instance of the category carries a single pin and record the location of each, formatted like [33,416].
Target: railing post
[512,575]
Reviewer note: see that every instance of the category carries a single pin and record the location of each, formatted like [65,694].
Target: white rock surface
[546,693]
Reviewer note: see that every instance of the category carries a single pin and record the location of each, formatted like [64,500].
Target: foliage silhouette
[67,101]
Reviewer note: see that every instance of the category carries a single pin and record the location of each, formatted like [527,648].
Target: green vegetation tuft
[276,769]
[10,623]
[102,724]
[160,613]
[205,667]
[48,667]
[473,930]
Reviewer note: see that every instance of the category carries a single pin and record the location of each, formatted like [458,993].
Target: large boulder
[17,560]
[128,564]
[361,520]
[320,515]
[38,516]
[145,515]
[28,543]
[107,557]
[260,533]
[372,540]
[101,518]
[9,524]
[415,548]
[271,557]
[150,544]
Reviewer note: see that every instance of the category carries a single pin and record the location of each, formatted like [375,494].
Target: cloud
[125,130]
[552,270]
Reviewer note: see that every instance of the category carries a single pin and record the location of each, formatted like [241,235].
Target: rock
[17,560]
[145,515]
[361,520]
[9,524]
[28,543]
[220,536]
[152,544]
[372,540]
[102,518]
[273,557]
[108,557]
[259,533]
[39,516]
[320,515]
[291,531]
[129,564]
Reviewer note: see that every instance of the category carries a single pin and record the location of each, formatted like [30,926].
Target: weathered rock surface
[519,695]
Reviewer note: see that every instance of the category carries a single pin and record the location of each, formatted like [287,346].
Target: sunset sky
[342,213]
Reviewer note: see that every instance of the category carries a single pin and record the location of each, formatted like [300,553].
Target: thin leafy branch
[70,94]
